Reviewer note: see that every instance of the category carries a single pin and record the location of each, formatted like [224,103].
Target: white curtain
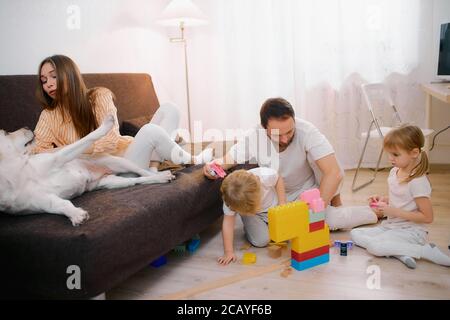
[314,53]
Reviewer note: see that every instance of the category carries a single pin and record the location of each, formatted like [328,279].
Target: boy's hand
[207,171]
[227,258]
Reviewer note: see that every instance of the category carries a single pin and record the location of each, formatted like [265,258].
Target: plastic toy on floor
[159,262]
[343,246]
[303,223]
[180,249]
[274,251]
[194,243]
[216,170]
[249,258]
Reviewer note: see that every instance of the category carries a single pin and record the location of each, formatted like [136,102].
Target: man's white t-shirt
[269,198]
[402,195]
[294,164]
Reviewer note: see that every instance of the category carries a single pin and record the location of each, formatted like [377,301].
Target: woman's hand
[227,258]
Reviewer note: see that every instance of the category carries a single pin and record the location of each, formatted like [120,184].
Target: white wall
[440,112]
[121,36]
[114,36]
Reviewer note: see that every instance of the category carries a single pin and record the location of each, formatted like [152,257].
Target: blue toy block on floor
[194,244]
[159,262]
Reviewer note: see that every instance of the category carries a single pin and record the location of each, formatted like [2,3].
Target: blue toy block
[300,266]
[159,262]
[193,245]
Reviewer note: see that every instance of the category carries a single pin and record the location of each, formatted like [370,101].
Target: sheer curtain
[314,53]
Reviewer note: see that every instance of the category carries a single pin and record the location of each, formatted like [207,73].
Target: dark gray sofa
[128,228]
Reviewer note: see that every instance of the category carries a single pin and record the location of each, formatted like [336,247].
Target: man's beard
[283,146]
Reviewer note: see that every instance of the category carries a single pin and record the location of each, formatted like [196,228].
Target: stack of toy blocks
[302,222]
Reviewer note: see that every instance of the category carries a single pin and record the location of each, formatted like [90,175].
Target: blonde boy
[250,194]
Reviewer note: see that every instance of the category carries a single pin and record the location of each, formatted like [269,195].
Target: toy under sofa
[128,228]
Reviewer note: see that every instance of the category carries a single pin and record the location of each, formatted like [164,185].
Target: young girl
[408,207]
[249,194]
[71,111]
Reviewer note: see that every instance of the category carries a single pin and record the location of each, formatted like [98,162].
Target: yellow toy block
[288,221]
[312,240]
[249,258]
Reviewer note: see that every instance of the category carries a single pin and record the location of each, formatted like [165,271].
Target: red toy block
[319,225]
[309,254]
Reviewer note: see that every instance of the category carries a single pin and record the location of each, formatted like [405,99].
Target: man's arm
[281,191]
[331,177]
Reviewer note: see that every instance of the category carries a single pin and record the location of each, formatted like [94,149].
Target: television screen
[444,51]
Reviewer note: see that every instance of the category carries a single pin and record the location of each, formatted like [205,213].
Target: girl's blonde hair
[241,192]
[408,137]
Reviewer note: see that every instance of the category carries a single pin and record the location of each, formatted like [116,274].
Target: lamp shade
[181,11]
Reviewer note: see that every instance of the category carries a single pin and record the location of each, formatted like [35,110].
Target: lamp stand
[183,40]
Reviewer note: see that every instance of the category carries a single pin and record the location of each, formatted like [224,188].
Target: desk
[440,91]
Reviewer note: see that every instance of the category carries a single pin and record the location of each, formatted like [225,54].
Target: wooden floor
[198,276]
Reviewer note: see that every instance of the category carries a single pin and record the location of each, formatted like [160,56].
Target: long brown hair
[409,137]
[71,95]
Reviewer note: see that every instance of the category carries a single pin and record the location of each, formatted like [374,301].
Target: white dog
[44,182]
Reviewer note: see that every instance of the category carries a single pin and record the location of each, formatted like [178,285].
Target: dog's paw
[106,125]
[78,216]
[159,177]
[167,175]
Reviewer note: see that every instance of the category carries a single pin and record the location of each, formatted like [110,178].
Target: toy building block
[303,265]
[343,246]
[319,225]
[310,195]
[193,244]
[286,272]
[288,221]
[283,244]
[317,205]
[377,204]
[275,251]
[310,240]
[216,170]
[316,217]
[249,258]
[159,262]
[180,249]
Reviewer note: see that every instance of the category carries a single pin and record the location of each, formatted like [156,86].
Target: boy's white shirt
[269,198]
[402,195]
[295,164]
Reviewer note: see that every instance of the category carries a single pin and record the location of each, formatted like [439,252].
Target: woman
[71,111]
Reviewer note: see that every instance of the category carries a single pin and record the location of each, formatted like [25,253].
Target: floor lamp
[182,14]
